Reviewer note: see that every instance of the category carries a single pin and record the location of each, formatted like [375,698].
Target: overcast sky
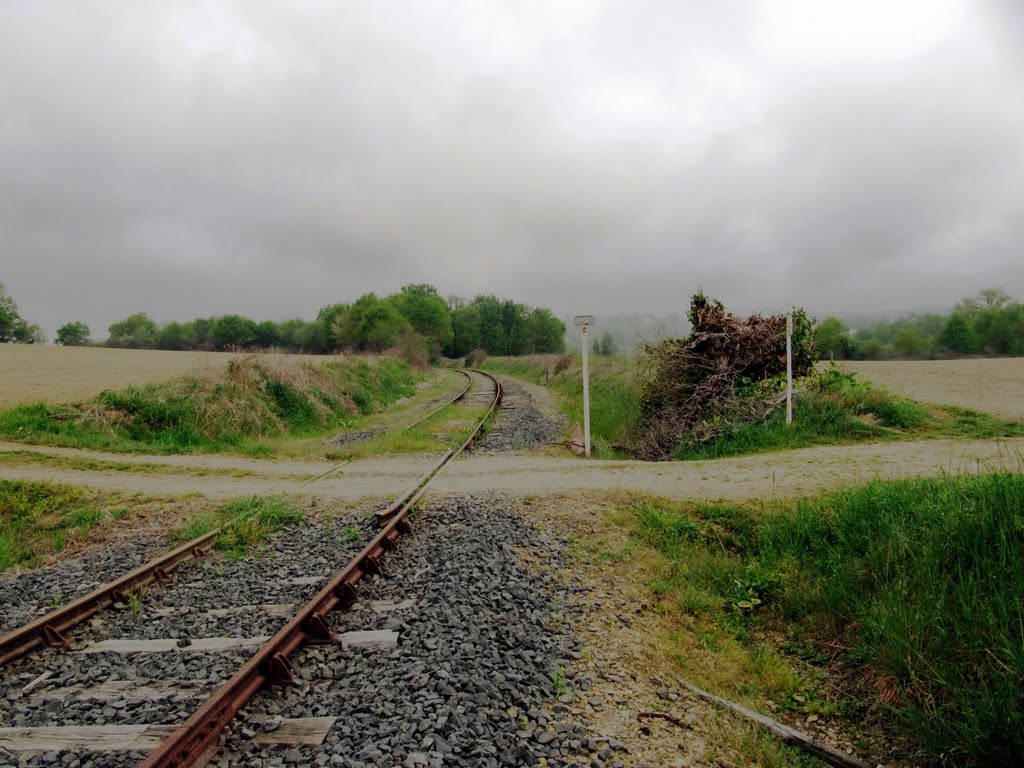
[267,158]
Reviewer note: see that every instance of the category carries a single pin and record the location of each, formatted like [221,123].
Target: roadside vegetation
[417,321]
[897,598]
[721,392]
[991,323]
[614,407]
[38,520]
[244,524]
[240,408]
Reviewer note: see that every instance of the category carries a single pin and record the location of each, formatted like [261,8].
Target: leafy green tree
[910,342]
[959,336]
[267,334]
[233,331]
[73,334]
[465,330]
[492,329]
[546,332]
[136,331]
[173,336]
[13,326]
[427,313]
[327,316]
[381,327]
[346,324]
[832,338]
[605,345]
[514,323]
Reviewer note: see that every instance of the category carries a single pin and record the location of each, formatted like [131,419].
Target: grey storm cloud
[268,158]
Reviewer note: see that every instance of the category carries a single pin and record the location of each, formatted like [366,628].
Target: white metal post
[586,392]
[583,321]
[789,367]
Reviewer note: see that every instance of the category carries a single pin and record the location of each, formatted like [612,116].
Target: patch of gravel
[484,669]
[354,437]
[277,574]
[26,596]
[527,419]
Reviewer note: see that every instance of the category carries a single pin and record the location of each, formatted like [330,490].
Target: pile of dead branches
[728,372]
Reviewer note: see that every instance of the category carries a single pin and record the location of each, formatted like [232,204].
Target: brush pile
[728,372]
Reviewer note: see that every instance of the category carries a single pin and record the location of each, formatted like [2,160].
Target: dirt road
[789,473]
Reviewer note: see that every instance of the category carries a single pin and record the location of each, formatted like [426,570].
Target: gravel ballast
[27,595]
[482,672]
[526,420]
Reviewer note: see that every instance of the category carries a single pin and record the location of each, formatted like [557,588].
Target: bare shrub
[563,363]
[475,358]
[727,372]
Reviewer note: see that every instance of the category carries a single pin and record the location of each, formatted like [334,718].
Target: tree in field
[233,331]
[465,329]
[546,332]
[605,345]
[13,326]
[959,336]
[832,339]
[987,298]
[909,342]
[381,327]
[427,313]
[136,331]
[73,334]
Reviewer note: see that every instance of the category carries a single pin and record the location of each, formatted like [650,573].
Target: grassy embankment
[38,520]
[830,408]
[900,596]
[244,408]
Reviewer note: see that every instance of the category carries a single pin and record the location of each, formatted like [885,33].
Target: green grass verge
[243,524]
[836,408]
[614,408]
[920,581]
[39,519]
[239,408]
[830,408]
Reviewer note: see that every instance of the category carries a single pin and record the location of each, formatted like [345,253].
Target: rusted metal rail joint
[50,629]
[196,741]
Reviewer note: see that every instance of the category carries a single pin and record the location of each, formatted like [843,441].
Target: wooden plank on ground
[306,730]
[269,609]
[143,738]
[116,689]
[386,606]
[374,639]
[170,645]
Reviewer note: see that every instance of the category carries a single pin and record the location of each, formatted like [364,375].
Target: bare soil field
[994,386]
[30,372]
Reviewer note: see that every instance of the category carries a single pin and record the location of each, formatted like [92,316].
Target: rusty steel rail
[462,394]
[49,629]
[195,742]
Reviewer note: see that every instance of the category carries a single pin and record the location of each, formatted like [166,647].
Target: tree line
[990,323]
[416,319]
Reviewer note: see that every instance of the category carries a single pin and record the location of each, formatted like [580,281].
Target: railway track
[204,634]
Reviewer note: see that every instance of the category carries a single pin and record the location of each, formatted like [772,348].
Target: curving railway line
[242,655]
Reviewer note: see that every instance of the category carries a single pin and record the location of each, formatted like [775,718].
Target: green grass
[614,408]
[829,408]
[37,519]
[921,580]
[243,524]
[834,408]
[240,408]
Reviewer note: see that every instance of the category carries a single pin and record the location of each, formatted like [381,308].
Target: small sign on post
[789,367]
[583,321]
